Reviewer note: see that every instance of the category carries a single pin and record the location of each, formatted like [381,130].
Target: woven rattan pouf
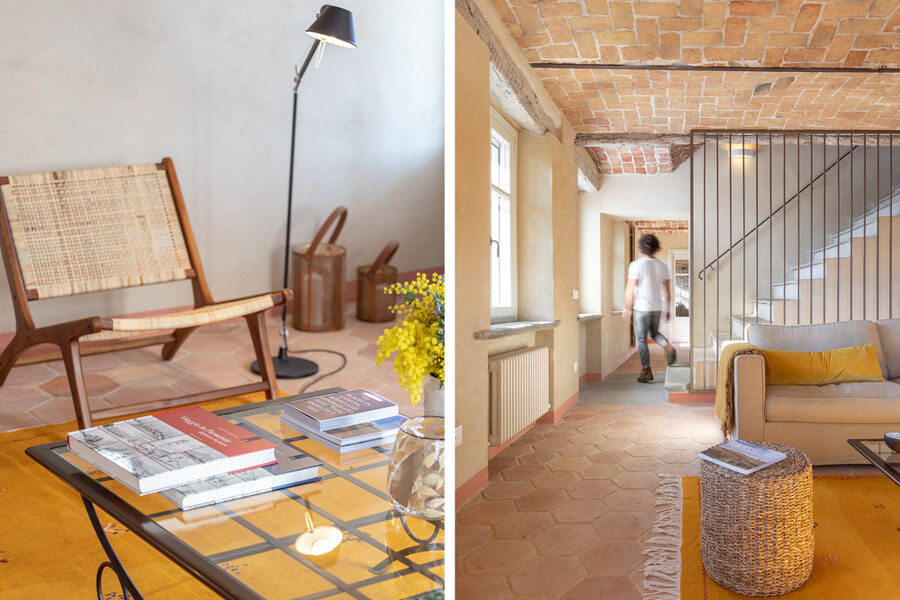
[756,531]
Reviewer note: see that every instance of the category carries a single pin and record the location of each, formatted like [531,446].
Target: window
[503,219]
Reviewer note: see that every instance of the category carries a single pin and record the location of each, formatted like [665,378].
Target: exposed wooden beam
[510,86]
[588,173]
[631,139]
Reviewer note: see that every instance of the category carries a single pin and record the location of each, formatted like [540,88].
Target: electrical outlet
[575,367]
[574,294]
[458,435]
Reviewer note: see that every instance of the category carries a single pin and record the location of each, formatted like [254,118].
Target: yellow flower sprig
[418,337]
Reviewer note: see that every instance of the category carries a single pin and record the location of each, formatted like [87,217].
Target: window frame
[501,128]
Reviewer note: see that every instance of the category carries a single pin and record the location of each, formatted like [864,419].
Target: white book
[742,456]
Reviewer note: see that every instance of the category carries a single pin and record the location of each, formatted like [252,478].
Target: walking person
[647,294]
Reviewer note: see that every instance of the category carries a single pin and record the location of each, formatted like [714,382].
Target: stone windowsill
[501,330]
[584,317]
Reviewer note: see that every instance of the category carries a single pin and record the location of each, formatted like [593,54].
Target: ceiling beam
[631,139]
[725,68]
[588,173]
[510,85]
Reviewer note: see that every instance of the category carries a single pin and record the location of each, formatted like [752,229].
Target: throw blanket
[725,382]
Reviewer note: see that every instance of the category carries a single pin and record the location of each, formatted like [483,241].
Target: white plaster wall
[644,197]
[209,83]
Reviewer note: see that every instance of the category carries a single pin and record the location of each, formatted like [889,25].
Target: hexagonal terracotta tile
[565,539]
[612,557]
[545,576]
[484,512]
[471,537]
[592,488]
[521,525]
[603,588]
[500,557]
[495,587]
[624,500]
[623,525]
[569,463]
[507,490]
[580,510]
[555,480]
[541,500]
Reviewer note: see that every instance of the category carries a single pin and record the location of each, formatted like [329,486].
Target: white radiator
[520,391]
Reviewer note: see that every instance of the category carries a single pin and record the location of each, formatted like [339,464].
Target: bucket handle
[340,211]
[383,258]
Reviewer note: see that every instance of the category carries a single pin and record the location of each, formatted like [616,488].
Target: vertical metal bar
[744,233]
[730,240]
[703,237]
[850,235]
[784,229]
[891,227]
[799,202]
[756,229]
[878,225]
[718,272]
[771,235]
[824,223]
[838,229]
[691,263]
[865,208]
[812,229]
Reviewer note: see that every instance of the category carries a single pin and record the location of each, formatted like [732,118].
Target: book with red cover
[158,452]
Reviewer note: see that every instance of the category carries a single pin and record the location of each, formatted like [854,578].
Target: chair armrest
[750,396]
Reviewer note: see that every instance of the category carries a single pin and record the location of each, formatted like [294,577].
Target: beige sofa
[819,419]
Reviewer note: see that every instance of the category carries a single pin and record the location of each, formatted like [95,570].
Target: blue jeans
[647,324]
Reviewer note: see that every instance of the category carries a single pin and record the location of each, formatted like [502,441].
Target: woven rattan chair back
[95,229]
[73,232]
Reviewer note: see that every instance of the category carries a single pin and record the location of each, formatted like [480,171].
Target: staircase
[855,275]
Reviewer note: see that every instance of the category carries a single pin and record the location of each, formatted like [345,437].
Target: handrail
[774,212]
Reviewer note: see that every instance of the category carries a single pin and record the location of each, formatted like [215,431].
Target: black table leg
[422,545]
[128,588]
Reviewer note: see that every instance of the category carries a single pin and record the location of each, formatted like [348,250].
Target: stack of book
[192,456]
[345,421]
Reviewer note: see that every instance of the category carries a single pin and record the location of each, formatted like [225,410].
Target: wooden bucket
[320,279]
[372,303]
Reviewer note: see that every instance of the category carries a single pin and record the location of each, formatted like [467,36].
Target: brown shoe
[671,355]
[645,376]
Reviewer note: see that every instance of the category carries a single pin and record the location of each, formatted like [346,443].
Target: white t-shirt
[650,274]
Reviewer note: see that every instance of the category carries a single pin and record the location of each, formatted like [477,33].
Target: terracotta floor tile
[612,557]
[603,588]
[541,500]
[555,479]
[485,587]
[550,444]
[623,500]
[471,537]
[484,512]
[28,375]
[523,472]
[642,480]
[521,525]
[592,488]
[580,510]
[570,463]
[507,490]
[500,558]
[626,525]
[566,539]
[20,400]
[96,385]
[536,458]
[545,576]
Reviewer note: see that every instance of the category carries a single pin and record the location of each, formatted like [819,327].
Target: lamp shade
[334,25]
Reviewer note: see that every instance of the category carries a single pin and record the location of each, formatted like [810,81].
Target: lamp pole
[332,25]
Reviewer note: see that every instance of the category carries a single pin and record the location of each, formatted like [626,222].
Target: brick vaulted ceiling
[757,64]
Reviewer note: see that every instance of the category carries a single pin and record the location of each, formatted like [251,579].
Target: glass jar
[416,471]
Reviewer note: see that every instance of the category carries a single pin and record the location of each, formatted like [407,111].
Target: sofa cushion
[889,332]
[826,336]
[868,402]
[842,365]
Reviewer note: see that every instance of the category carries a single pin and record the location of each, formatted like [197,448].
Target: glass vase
[416,471]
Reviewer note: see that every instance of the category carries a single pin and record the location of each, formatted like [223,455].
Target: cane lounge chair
[74,232]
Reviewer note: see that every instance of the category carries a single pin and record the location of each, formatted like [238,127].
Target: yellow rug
[47,546]
[857,555]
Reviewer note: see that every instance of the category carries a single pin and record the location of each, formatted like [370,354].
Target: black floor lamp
[333,25]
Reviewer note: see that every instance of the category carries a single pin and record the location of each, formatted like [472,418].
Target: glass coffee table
[244,549]
[878,453]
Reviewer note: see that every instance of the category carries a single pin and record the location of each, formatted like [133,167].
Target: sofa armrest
[750,396]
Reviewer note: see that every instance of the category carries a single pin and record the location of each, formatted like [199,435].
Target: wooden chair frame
[67,336]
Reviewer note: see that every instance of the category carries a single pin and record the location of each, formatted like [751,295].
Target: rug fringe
[662,569]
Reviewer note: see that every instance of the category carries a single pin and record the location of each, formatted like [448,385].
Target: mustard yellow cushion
[842,365]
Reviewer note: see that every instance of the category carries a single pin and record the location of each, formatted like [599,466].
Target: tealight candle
[319,543]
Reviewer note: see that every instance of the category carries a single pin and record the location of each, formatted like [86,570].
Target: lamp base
[290,367]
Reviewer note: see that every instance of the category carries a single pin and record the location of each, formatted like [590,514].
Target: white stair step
[807,271]
[786,291]
[834,250]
